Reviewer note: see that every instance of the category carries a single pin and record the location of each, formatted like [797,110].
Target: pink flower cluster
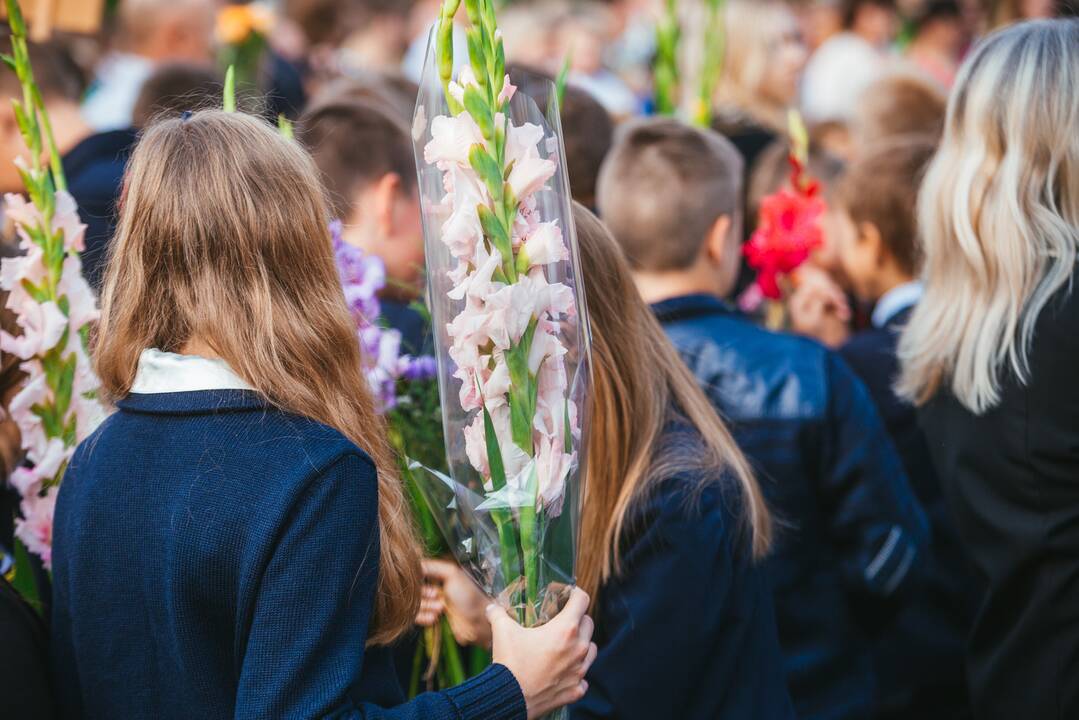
[496,315]
[46,326]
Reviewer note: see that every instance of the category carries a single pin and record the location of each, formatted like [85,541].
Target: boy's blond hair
[663,187]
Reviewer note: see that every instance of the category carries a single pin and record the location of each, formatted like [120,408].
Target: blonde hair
[999,214]
[639,383]
[753,30]
[223,238]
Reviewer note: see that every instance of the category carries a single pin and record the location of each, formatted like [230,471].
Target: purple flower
[362,276]
[419,368]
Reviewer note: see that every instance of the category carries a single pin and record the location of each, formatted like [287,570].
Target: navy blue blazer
[95,174]
[214,557]
[852,536]
[687,629]
[919,656]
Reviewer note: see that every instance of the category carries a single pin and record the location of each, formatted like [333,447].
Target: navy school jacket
[214,557]
[686,630]
[853,537]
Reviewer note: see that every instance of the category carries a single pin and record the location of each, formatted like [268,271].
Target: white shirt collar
[164,372]
[896,301]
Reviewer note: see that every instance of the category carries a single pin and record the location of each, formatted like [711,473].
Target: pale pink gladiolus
[80,298]
[552,467]
[42,327]
[529,175]
[66,219]
[545,245]
[35,527]
[56,453]
[508,91]
[27,481]
[451,140]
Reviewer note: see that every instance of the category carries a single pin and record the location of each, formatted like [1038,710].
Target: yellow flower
[235,23]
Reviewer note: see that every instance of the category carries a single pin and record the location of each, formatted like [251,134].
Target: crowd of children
[870,514]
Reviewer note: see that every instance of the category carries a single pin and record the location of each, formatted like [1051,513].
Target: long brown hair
[639,382]
[223,238]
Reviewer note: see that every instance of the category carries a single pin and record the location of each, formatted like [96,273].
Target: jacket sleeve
[308,632]
[875,520]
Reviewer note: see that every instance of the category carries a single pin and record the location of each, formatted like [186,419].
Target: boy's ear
[717,244]
[386,194]
[870,238]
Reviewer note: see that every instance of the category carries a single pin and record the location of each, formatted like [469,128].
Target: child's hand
[818,308]
[550,661]
[449,589]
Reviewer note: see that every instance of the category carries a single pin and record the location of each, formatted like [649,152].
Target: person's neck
[658,286]
[68,126]
[890,279]
[199,347]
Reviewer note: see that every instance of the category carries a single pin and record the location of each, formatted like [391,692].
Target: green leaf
[284,127]
[9,61]
[15,19]
[229,93]
[476,105]
[23,580]
[496,231]
[486,167]
[39,295]
[494,453]
[563,79]
[476,55]
[523,388]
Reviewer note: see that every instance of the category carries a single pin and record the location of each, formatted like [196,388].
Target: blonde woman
[991,355]
[761,72]
[673,523]
[233,541]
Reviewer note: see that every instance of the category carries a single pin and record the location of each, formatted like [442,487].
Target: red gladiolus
[788,230]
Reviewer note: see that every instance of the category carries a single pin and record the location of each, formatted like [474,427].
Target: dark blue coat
[216,558]
[853,537]
[687,629]
[919,656]
[95,172]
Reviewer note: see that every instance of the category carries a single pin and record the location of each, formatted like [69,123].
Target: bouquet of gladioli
[509,320]
[54,307]
[788,227]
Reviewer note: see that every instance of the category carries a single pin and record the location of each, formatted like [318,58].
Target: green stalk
[228,100]
[712,63]
[668,34]
[451,657]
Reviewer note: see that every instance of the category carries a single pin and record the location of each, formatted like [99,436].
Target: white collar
[165,372]
[896,301]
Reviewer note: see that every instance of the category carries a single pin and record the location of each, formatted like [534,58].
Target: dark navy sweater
[686,630]
[216,558]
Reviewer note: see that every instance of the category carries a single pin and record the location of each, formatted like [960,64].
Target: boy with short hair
[365,155]
[872,221]
[854,536]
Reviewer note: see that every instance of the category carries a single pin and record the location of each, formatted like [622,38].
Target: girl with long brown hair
[233,541]
[672,524]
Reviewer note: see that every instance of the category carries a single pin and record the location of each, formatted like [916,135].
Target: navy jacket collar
[198,402]
[111,146]
[688,307]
